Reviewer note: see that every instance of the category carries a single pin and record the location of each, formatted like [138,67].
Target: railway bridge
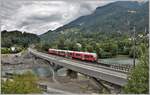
[96,71]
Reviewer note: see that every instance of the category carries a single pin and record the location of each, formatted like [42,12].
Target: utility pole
[118,32]
[145,31]
[134,44]
[134,41]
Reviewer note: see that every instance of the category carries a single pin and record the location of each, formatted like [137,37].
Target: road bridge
[100,72]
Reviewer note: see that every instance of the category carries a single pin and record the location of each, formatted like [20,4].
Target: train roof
[84,52]
[53,49]
[75,51]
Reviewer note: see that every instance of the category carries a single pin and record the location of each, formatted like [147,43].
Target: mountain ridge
[109,18]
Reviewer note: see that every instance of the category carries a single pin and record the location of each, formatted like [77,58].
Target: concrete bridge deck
[106,74]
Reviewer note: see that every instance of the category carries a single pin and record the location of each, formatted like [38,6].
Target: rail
[107,74]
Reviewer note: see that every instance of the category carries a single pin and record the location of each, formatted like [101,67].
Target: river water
[38,71]
[46,71]
[118,60]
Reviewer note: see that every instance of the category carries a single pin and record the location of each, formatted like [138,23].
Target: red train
[86,56]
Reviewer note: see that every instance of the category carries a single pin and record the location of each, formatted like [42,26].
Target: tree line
[104,44]
[18,38]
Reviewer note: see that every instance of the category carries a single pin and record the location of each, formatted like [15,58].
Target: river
[47,71]
[118,60]
[38,71]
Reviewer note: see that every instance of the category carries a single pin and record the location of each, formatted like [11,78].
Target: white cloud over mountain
[40,16]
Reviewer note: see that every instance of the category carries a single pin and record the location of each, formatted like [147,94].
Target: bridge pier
[72,74]
[116,89]
[102,87]
[52,64]
[107,87]
[55,66]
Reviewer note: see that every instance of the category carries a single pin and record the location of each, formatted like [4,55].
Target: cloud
[40,16]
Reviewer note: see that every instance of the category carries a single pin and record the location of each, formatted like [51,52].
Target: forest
[104,44]
[11,38]
[19,40]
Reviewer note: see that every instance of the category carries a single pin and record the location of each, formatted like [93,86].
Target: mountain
[10,38]
[107,19]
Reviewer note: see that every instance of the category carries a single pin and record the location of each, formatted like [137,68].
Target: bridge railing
[122,67]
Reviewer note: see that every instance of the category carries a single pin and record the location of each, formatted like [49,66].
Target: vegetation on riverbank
[21,84]
[17,40]
[9,50]
[138,79]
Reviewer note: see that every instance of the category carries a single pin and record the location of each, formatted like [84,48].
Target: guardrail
[119,67]
[123,67]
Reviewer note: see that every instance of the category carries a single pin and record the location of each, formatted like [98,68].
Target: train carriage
[85,56]
[62,52]
[77,55]
[69,54]
[52,51]
[90,57]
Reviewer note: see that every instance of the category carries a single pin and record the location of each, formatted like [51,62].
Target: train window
[86,56]
[61,52]
[77,54]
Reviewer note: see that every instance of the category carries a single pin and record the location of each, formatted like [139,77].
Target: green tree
[21,84]
[61,43]
[138,80]
[18,38]
[89,48]
[110,49]
[137,51]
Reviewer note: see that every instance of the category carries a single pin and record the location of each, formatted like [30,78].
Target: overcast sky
[39,16]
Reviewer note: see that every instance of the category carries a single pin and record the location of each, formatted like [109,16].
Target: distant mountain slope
[10,38]
[108,19]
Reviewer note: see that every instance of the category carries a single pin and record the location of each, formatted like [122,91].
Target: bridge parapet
[100,72]
[122,67]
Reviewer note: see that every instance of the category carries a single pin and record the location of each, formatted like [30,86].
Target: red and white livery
[86,56]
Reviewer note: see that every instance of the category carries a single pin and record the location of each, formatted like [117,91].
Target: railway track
[105,66]
[112,76]
[114,67]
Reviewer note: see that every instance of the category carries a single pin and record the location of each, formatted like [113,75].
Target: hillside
[107,31]
[11,38]
[107,19]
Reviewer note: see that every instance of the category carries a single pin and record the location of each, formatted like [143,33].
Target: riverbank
[23,62]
